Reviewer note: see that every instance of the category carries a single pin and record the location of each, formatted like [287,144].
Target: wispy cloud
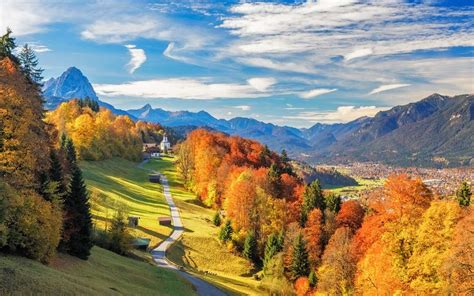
[316,92]
[137,58]
[387,87]
[181,88]
[341,114]
[358,53]
[243,107]
[262,83]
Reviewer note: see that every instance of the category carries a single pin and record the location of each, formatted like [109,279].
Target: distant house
[154,178]
[165,221]
[165,145]
[151,150]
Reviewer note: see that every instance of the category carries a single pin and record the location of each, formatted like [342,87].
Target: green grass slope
[105,273]
[116,183]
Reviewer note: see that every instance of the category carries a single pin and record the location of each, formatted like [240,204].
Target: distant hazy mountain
[72,84]
[436,131]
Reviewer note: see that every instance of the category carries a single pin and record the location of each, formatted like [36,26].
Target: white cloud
[276,65]
[243,107]
[262,83]
[341,114]
[182,88]
[387,87]
[137,58]
[35,46]
[25,17]
[316,92]
[358,53]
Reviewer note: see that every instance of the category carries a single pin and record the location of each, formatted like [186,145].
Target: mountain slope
[72,84]
[438,130]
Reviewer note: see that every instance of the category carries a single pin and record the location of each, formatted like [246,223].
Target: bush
[117,239]
[217,219]
[34,226]
[226,232]
[120,238]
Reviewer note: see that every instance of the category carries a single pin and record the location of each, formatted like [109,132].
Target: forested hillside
[301,237]
[43,201]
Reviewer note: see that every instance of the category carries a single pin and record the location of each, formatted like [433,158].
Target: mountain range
[436,131]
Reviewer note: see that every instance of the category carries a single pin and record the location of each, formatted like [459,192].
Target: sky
[286,62]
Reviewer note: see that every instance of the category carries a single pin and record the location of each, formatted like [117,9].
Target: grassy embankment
[105,273]
[199,250]
[120,183]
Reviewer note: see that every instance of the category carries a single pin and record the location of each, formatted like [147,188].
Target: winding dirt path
[159,253]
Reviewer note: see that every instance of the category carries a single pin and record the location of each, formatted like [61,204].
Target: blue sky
[286,62]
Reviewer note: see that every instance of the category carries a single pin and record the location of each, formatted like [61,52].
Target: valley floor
[105,273]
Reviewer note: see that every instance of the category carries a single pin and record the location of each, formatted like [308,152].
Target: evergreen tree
[274,177]
[29,64]
[250,247]
[226,232]
[313,280]
[300,263]
[77,238]
[312,198]
[333,202]
[217,219]
[284,156]
[264,156]
[56,174]
[272,247]
[78,220]
[120,239]
[88,102]
[7,46]
[63,141]
[70,152]
[464,194]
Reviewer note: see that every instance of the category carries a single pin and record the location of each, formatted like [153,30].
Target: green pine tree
[29,64]
[300,263]
[77,227]
[56,174]
[333,202]
[71,155]
[78,219]
[226,231]
[312,279]
[273,245]
[284,156]
[120,239]
[217,219]
[7,46]
[250,247]
[464,194]
[274,177]
[312,198]
[63,142]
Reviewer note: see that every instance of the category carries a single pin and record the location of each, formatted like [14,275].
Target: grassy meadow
[105,273]
[199,250]
[118,183]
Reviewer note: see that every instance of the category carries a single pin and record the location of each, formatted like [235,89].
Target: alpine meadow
[269,147]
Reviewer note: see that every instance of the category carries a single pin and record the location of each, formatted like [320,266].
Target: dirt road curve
[159,253]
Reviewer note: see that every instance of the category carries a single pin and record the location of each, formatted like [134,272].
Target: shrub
[34,226]
[217,219]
